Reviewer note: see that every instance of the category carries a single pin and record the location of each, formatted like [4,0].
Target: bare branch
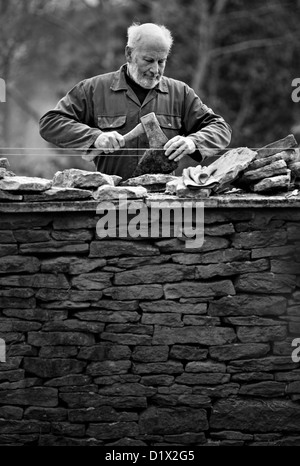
[250,44]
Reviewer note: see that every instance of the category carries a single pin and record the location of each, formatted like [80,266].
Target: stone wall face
[145,342]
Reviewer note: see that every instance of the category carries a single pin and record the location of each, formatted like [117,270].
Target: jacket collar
[119,82]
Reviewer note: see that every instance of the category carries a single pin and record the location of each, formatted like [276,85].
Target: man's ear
[128,53]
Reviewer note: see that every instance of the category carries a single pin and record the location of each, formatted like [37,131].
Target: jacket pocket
[111,122]
[171,122]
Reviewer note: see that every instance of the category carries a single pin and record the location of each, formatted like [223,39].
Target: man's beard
[147,81]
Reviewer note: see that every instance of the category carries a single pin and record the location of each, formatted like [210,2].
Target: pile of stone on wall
[145,342]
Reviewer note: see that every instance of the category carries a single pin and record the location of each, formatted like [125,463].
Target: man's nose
[154,68]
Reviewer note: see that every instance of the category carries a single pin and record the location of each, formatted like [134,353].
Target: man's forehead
[153,45]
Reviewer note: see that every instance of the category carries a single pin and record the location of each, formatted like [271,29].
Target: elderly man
[97,112]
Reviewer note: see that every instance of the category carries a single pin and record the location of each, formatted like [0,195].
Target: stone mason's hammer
[153,159]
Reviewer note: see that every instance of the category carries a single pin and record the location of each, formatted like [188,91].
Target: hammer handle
[134,133]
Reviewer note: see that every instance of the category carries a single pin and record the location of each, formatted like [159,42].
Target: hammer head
[155,135]
[154,159]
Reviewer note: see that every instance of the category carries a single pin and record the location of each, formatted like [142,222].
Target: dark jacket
[106,103]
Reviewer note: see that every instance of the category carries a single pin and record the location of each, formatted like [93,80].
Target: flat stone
[53,367]
[265,282]
[72,265]
[76,178]
[273,183]
[200,335]
[24,183]
[134,292]
[229,165]
[155,274]
[155,420]
[249,334]
[103,414]
[19,264]
[263,389]
[279,167]
[248,304]
[46,414]
[4,172]
[113,430]
[4,163]
[239,351]
[290,155]
[188,289]
[5,196]
[149,179]
[92,281]
[267,364]
[54,246]
[11,412]
[60,338]
[173,306]
[59,194]
[118,247]
[288,142]
[105,193]
[256,415]
[33,396]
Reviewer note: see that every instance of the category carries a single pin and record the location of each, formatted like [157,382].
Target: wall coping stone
[221,201]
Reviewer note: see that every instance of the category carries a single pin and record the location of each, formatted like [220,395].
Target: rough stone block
[60,338]
[201,289]
[248,304]
[265,282]
[106,193]
[121,247]
[24,183]
[134,292]
[33,396]
[172,421]
[185,335]
[76,178]
[17,264]
[47,368]
[155,274]
[256,415]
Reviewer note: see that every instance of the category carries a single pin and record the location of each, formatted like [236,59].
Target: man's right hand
[109,141]
[106,142]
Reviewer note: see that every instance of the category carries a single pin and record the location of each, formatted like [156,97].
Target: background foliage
[240,57]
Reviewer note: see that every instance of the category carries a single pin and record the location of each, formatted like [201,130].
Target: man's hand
[178,147]
[109,141]
[106,142]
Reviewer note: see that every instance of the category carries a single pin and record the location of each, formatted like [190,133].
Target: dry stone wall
[146,342]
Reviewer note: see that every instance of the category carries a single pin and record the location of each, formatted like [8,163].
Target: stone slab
[24,183]
[105,193]
[58,193]
[75,178]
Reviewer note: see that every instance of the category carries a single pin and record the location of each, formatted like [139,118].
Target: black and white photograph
[149,227]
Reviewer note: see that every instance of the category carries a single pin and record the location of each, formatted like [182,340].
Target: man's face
[146,63]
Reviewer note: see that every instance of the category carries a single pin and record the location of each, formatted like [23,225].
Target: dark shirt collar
[119,81]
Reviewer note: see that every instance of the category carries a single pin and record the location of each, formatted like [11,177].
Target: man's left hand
[178,147]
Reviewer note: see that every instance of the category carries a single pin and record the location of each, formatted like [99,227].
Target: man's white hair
[136,31]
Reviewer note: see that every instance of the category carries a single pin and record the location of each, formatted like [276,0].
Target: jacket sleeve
[70,123]
[209,131]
